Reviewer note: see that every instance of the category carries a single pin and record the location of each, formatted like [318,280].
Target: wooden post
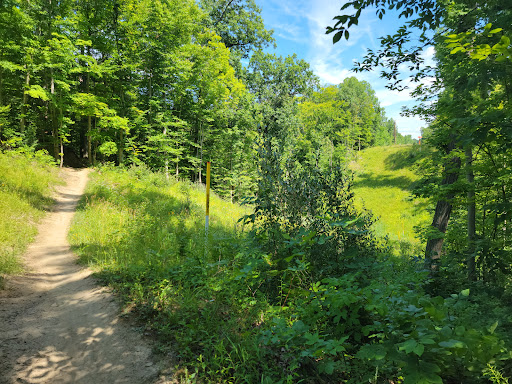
[207,219]
[207,222]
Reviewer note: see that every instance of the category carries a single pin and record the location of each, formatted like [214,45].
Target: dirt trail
[56,324]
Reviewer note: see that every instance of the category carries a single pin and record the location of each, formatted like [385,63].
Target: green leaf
[465,292]
[327,367]
[419,349]
[455,50]
[452,344]
[10,66]
[337,37]
[493,327]
[37,92]
[372,352]
[427,341]
[408,346]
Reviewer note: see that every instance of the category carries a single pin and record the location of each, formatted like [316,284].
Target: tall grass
[383,184]
[137,218]
[26,181]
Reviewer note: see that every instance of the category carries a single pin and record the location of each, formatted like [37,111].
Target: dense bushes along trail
[57,326]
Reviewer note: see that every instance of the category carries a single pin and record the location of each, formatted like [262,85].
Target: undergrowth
[26,180]
[292,298]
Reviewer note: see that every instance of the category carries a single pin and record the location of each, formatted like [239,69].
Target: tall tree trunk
[150,95]
[1,87]
[95,143]
[89,142]
[61,131]
[443,211]
[470,177]
[55,128]
[24,104]
[166,154]
[201,150]
[120,148]
[61,152]
[89,125]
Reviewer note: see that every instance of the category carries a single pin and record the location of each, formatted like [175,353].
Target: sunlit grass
[383,184]
[26,182]
[138,218]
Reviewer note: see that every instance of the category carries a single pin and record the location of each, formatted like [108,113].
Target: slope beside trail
[56,324]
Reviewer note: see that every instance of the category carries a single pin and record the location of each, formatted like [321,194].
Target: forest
[294,285]
[162,83]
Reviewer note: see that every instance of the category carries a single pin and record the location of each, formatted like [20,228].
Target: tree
[239,25]
[469,101]
[365,111]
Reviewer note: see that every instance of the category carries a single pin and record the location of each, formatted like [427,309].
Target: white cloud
[329,75]
[428,55]
[303,23]
[291,32]
[388,97]
[409,125]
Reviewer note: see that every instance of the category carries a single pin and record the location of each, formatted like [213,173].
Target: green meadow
[222,308]
[383,182]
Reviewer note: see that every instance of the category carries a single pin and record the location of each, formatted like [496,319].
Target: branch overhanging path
[56,324]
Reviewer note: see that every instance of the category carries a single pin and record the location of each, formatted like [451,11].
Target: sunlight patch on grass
[384,177]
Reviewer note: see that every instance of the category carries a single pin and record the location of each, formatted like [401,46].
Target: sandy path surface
[56,324]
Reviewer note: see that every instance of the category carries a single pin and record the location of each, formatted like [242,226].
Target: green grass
[26,181]
[383,184]
[138,218]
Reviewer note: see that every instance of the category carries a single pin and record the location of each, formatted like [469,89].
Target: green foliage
[132,82]
[495,375]
[239,24]
[26,180]
[350,332]
[465,42]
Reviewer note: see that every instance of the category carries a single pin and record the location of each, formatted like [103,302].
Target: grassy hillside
[26,181]
[384,177]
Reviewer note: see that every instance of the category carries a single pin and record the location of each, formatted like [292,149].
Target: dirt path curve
[56,324]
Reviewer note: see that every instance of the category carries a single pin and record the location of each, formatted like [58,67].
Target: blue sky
[299,27]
